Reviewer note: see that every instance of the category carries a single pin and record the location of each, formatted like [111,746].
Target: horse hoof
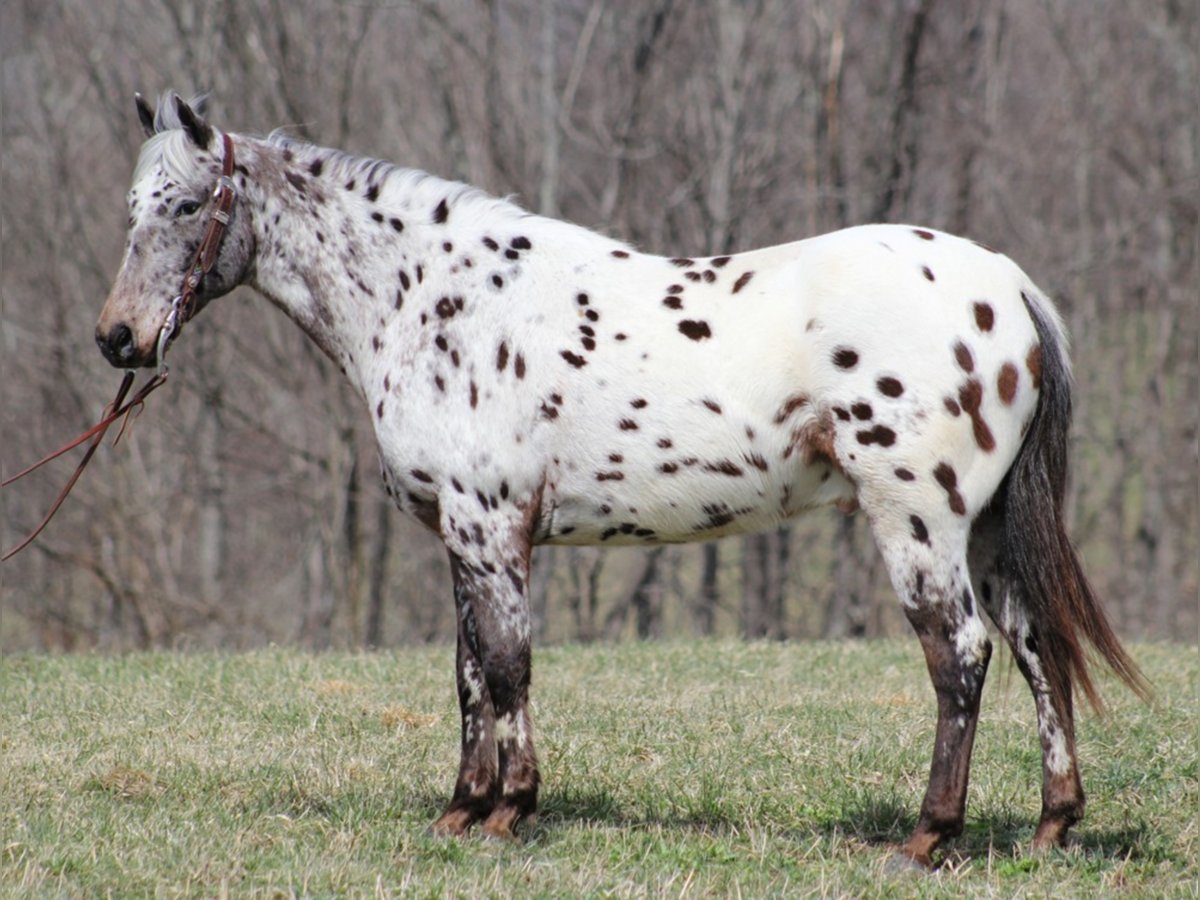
[452,823]
[501,825]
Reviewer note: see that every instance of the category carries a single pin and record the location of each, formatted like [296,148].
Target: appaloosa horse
[532,382]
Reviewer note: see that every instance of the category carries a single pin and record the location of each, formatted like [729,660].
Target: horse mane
[417,186]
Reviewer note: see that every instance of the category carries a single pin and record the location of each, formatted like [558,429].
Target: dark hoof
[452,823]
[501,825]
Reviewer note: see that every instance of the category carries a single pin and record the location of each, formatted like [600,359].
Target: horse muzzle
[120,347]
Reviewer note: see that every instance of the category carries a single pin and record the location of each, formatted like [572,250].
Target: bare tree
[243,508]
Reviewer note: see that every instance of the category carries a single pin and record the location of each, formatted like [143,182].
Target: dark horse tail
[1037,554]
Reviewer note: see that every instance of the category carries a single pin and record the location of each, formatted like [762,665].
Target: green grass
[668,769]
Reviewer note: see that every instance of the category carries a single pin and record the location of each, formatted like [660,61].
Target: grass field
[668,769]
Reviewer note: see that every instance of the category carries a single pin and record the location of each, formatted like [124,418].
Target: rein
[182,309]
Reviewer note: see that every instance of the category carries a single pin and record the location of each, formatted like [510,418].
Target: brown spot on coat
[712,405]
[1033,362]
[1006,383]
[862,411]
[905,475]
[756,460]
[970,395]
[880,434]
[985,316]
[519,366]
[919,531]
[627,425]
[923,234]
[696,330]
[501,357]
[964,357]
[724,467]
[889,386]
[743,280]
[945,475]
[845,358]
[928,273]
[574,359]
[441,213]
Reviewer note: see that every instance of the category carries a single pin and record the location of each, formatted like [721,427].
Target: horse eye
[187,208]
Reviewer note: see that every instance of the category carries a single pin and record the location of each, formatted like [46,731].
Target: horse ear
[193,123]
[145,114]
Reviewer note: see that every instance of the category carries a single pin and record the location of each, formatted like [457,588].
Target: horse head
[188,241]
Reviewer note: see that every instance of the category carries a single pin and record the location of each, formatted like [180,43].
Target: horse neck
[340,241]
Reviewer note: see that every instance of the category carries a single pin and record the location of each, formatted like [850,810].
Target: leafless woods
[245,507]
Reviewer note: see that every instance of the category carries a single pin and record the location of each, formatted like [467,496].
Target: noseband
[183,307]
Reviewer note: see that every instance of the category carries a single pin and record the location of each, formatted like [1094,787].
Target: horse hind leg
[1063,799]
[926,559]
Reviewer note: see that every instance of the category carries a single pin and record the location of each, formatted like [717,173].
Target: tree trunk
[377,573]
[704,610]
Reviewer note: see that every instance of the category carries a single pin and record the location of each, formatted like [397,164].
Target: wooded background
[245,506]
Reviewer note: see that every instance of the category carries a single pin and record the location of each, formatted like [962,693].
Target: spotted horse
[532,382]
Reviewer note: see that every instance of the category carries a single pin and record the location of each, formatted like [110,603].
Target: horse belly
[685,497]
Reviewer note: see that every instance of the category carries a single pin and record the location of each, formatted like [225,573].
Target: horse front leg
[475,788]
[498,774]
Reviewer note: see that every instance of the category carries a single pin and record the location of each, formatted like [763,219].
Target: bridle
[183,307]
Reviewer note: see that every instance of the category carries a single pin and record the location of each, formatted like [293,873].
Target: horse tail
[1036,552]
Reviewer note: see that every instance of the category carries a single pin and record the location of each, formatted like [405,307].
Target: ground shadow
[880,822]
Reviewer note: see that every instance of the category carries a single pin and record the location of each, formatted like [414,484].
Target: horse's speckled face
[170,204]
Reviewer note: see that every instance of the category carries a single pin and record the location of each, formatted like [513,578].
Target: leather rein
[183,307]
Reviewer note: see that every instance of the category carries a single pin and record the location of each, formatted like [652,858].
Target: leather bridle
[183,307]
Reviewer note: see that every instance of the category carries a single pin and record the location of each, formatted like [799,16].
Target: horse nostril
[117,346]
